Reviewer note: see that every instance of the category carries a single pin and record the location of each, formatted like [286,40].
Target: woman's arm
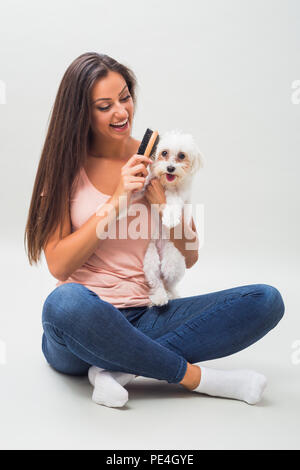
[191,256]
[65,255]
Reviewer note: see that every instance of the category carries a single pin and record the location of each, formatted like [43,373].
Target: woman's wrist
[114,200]
[161,208]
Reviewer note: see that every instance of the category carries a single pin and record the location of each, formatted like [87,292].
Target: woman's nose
[121,110]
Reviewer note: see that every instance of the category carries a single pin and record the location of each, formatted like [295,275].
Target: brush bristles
[145,141]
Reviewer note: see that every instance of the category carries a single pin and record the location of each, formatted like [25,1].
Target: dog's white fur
[164,265]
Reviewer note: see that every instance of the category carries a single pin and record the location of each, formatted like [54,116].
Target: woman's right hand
[129,182]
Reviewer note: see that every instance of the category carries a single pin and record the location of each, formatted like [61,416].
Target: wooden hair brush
[148,145]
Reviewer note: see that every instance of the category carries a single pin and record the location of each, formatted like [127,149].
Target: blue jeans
[81,329]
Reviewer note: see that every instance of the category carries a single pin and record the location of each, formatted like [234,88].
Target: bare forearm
[74,250]
[191,256]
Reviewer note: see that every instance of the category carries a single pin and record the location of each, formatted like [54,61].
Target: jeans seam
[267,326]
[204,315]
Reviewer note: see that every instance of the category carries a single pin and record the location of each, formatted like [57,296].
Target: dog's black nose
[170,169]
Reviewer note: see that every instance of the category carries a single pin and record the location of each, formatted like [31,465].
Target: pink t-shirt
[115,270]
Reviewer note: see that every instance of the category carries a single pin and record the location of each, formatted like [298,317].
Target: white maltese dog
[175,161]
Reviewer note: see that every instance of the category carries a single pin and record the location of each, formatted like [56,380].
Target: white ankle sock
[122,377]
[241,384]
[108,386]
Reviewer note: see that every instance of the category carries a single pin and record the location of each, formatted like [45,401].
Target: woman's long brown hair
[65,147]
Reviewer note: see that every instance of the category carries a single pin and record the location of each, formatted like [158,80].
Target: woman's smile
[120,128]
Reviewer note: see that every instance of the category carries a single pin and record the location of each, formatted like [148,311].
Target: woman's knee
[271,303]
[66,304]
[63,298]
[72,305]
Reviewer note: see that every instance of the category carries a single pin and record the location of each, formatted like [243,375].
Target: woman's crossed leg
[80,330]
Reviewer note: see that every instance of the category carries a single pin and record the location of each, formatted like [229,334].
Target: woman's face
[116,109]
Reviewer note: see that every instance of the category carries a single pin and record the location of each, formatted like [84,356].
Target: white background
[222,70]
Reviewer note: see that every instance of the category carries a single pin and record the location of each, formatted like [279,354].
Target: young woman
[98,315]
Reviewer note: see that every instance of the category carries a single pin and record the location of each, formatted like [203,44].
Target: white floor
[42,409]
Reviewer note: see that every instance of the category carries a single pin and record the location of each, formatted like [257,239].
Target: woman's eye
[107,107]
[181,156]
[164,153]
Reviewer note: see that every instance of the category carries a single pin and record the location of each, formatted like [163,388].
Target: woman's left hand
[155,193]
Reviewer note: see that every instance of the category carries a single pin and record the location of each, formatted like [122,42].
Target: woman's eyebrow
[99,99]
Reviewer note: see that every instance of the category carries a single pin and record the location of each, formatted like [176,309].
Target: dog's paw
[159,297]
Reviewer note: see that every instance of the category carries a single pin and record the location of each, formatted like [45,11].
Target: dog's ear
[197,161]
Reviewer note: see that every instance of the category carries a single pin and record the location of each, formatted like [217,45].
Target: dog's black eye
[181,156]
[164,153]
